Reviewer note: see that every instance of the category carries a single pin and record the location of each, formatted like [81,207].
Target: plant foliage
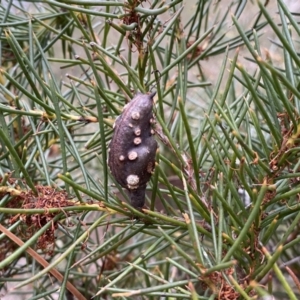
[222,212]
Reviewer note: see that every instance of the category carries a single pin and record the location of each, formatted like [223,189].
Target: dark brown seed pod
[132,149]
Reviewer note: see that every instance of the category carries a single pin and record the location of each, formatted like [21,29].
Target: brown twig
[43,262]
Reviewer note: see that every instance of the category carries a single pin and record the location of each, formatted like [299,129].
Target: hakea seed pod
[132,149]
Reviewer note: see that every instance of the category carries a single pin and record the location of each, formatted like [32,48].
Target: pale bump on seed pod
[133,147]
